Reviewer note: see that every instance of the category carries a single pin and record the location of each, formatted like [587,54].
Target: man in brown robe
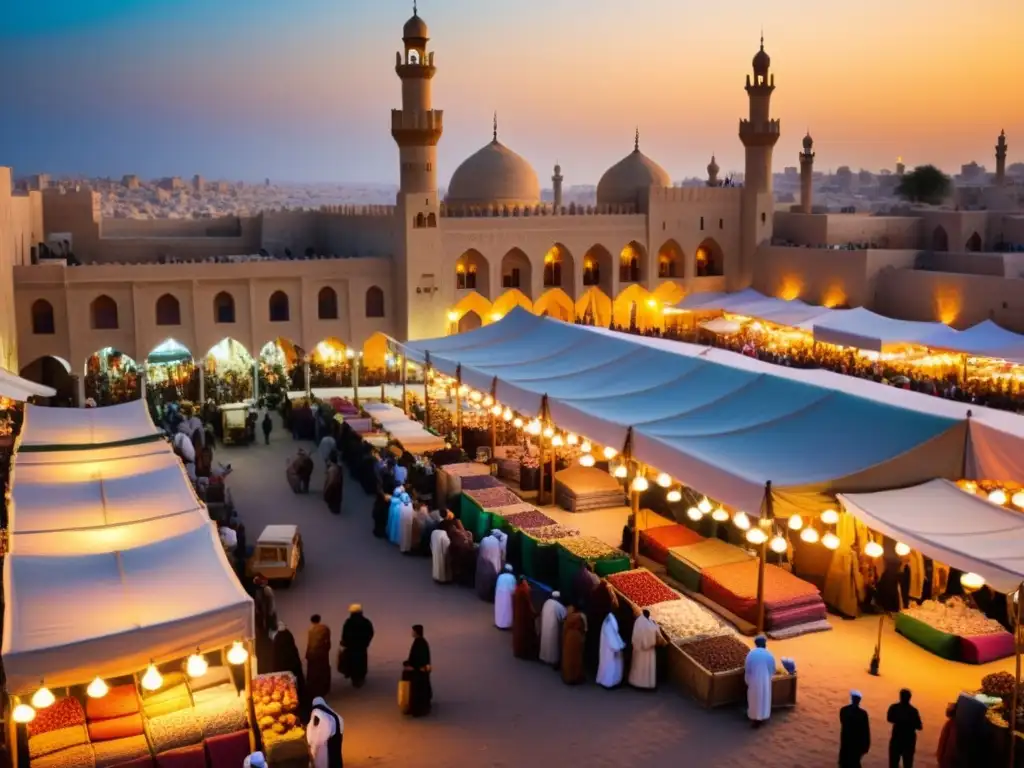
[602,601]
[463,555]
[318,659]
[574,634]
[525,644]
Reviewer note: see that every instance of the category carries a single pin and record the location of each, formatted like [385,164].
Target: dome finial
[495,135]
[762,37]
[414,12]
[636,140]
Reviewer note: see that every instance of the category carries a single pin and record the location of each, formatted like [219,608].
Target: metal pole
[355,380]
[494,421]
[255,381]
[247,673]
[12,733]
[458,404]
[405,386]
[634,500]
[426,394]
[1016,654]
[762,559]
[305,375]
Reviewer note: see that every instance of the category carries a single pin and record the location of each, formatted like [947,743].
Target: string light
[796,523]
[873,549]
[778,544]
[585,446]
[571,439]
[496,410]
[830,541]
[43,698]
[587,460]
[972,581]
[488,401]
[507,415]
[463,390]
[757,536]
[548,432]
[675,496]
[741,521]
[639,484]
[518,423]
[621,471]
[902,549]
[704,505]
[196,665]
[97,688]
[809,535]
[152,680]
[998,496]
[610,453]
[719,515]
[694,514]
[664,480]
[830,517]
[23,713]
[556,441]
[1018,500]
[237,653]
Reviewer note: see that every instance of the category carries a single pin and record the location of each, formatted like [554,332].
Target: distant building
[130,181]
[198,183]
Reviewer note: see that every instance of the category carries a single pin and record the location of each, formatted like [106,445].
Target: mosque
[429,265]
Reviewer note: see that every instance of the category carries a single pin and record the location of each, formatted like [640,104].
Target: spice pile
[493,498]
[642,587]
[999,684]
[589,548]
[718,654]
[684,620]
[553,532]
[533,518]
[954,617]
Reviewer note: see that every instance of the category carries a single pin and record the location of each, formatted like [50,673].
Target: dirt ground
[496,711]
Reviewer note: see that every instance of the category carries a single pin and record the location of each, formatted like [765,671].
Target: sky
[300,91]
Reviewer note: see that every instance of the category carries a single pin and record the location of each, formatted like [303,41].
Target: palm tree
[925,184]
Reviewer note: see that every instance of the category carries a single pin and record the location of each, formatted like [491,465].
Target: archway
[228,369]
[42,319]
[111,377]
[471,302]
[598,267]
[279,307]
[171,374]
[940,239]
[558,269]
[472,273]
[508,301]
[631,263]
[635,309]
[103,313]
[668,294]
[516,272]
[374,302]
[281,369]
[594,308]
[974,242]
[710,261]
[470,321]
[329,364]
[557,304]
[375,365]
[55,372]
[670,260]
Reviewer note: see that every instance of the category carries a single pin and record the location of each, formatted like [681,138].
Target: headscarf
[255,760]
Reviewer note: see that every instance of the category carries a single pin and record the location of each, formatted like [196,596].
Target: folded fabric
[166,693]
[115,728]
[170,680]
[220,716]
[217,693]
[167,707]
[54,741]
[139,762]
[214,676]
[228,750]
[75,757]
[185,757]
[178,729]
[63,713]
[118,751]
[120,700]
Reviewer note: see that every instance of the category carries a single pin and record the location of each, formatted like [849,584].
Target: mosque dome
[762,61]
[713,167]
[808,142]
[494,175]
[415,28]
[624,182]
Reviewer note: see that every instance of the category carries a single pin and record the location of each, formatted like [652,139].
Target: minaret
[1001,148]
[759,133]
[900,167]
[556,184]
[713,173]
[807,175]
[416,127]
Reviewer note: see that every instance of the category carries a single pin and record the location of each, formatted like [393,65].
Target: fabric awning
[957,528]
[722,326]
[14,387]
[986,339]
[863,329]
[70,428]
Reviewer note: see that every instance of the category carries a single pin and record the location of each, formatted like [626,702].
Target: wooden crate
[722,689]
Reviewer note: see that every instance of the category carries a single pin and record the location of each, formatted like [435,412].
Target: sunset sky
[301,90]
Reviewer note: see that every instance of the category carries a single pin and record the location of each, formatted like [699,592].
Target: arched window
[327,304]
[104,313]
[374,302]
[431,218]
[42,318]
[168,310]
[414,57]
[279,312]
[974,242]
[223,308]
[710,259]
[421,221]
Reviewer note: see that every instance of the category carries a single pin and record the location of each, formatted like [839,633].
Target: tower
[901,168]
[807,175]
[713,173]
[1001,148]
[556,184]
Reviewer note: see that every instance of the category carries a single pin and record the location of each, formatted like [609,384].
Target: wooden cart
[722,689]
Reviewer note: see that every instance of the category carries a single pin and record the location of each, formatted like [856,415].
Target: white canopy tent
[958,528]
[66,428]
[750,303]
[863,329]
[15,387]
[986,339]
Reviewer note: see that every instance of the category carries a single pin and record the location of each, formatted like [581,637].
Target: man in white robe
[488,567]
[759,669]
[441,566]
[502,538]
[406,513]
[503,592]
[646,638]
[552,614]
[324,735]
[610,667]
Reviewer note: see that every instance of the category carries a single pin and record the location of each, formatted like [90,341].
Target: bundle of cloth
[789,601]
[580,489]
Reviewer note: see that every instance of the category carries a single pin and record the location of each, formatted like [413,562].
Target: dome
[623,183]
[495,175]
[713,167]
[762,61]
[808,142]
[415,29]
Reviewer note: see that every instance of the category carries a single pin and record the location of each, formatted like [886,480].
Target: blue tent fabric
[750,303]
[863,329]
[986,339]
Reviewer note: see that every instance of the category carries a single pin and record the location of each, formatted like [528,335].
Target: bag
[342,663]
[404,694]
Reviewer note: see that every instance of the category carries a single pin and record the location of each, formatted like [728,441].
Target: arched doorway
[940,239]
[631,263]
[228,370]
[112,377]
[55,372]
[594,308]
[508,301]
[516,272]
[597,269]
[557,304]
[329,364]
[670,260]
[469,321]
[472,273]
[635,309]
[974,242]
[171,374]
[558,268]
[471,302]
[710,261]
[281,370]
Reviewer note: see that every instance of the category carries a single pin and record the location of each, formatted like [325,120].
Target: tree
[925,184]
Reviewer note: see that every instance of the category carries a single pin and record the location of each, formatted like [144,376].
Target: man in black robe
[356,636]
[417,669]
[286,658]
[854,733]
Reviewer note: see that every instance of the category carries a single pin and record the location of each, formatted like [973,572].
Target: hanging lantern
[704,505]
[518,423]
[587,460]
[639,483]
[972,581]
[694,514]
[1018,501]
[97,689]
[830,541]
[43,698]
[548,432]
[556,441]
[778,544]
[585,446]
[720,515]
[998,496]
[830,517]
[796,523]
[571,439]
[507,415]
[873,549]
[237,653]
[757,536]
[902,549]
[741,521]
[675,496]
[462,390]
[664,480]
[610,453]
[23,713]
[196,665]
[496,410]
[488,401]
[620,471]
[809,535]
[152,680]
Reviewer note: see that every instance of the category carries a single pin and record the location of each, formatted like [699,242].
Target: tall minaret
[1001,148]
[713,170]
[416,127]
[807,175]
[556,185]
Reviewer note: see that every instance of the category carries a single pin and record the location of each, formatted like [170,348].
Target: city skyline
[254,90]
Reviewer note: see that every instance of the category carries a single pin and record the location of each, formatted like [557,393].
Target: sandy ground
[494,710]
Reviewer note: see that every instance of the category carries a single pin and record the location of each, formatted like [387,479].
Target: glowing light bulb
[571,439]
[507,415]
[475,396]
[972,581]
[902,549]
[463,390]
[237,653]
[97,688]
[741,521]
[557,441]
[704,505]
[719,515]
[518,423]
[778,545]
[640,484]
[43,698]
[587,460]
[621,471]
[1018,501]
[496,410]
[488,401]
[873,549]
[998,496]
[664,480]
[548,432]
[152,680]
[585,446]
[610,453]
[694,514]
[830,517]
[196,665]
[830,541]
[796,523]
[970,486]
[809,535]
[675,496]
[23,713]
[757,536]
[453,316]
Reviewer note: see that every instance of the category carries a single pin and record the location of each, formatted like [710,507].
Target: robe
[552,615]
[601,602]
[356,636]
[405,517]
[286,659]
[759,669]
[394,515]
[442,570]
[642,668]
[324,735]
[574,633]
[502,538]
[420,520]
[488,566]
[417,666]
[463,556]
[583,585]
[609,670]
[318,661]
[503,591]
[524,623]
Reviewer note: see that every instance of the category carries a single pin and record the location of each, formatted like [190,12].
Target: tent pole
[494,419]
[458,404]
[405,385]
[1016,654]
[762,556]
[247,674]
[426,393]
[540,454]
[12,733]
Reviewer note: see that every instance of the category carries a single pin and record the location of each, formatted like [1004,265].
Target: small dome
[495,175]
[713,167]
[624,182]
[762,61]
[415,29]
[808,142]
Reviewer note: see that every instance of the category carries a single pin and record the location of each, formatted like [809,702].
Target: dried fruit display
[493,498]
[553,532]
[998,684]
[63,713]
[686,620]
[642,587]
[718,654]
[589,548]
[954,617]
[530,519]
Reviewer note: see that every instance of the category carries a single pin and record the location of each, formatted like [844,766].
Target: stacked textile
[579,489]
[685,564]
[449,477]
[58,738]
[173,696]
[788,600]
[655,543]
[116,728]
